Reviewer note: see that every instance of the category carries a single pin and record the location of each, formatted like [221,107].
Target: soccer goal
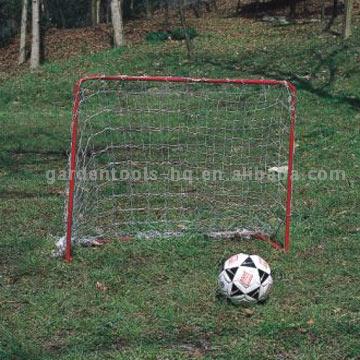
[168,156]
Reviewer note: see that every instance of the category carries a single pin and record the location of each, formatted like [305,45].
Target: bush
[180,34]
[176,34]
[157,36]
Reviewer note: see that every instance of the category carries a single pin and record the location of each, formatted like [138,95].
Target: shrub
[180,34]
[175,34]
[157,36]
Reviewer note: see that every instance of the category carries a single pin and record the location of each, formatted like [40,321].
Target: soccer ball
[245,279]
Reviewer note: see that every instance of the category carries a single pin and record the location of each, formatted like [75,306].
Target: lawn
[156,299]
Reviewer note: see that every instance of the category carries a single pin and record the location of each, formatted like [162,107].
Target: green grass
[160,300]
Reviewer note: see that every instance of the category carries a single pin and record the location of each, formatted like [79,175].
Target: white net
[169,157]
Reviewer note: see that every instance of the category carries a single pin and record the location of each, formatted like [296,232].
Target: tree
[292,8]
[166,5]
[347,18]
[24,13]
[95,12]
[98,7]
[335,9]
[43,25]
[185,30]
[148,10]
[131,7]
[322,10]
[117,23]
[333,16]
[35,42]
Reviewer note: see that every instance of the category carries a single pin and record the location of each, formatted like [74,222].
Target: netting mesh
[174,157]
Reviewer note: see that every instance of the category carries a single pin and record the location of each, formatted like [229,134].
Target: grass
[159,297]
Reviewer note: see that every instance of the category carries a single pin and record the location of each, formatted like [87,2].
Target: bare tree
[43,16]
[183,26]
[22,52]
[107,11]
[148,10]
[198,6]
[214,4]
[292,8]
[322,10]
[61,13]
[166,4]
[35,42]
[333,16]
[98,9]
[335,9]
[306,9]
[117,23]
[347,18]
[95,12]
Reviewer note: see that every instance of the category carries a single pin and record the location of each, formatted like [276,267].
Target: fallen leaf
[310,322]
[100,242]
[101,287]
[279,169]
[125,238]
[248,312]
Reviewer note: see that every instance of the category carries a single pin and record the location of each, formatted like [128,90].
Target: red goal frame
[74,133]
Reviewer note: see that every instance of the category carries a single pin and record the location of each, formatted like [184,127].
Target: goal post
[164,156]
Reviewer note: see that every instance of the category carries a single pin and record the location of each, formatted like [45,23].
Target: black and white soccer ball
[245,279]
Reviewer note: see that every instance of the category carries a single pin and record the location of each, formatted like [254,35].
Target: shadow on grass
[256,10]
[20,194]
[266,68]
[13,161]
[12,348]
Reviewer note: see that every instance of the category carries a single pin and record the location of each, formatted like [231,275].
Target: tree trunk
[108,11]
[322,10]
[238,7]
[43,16]
[306,9]
[335,9]
[333,16]
[166,14]
[347,18]
[95,12]
[98,8]
[35,42]
[183,25]
[148,9]
[22,53]
[117,23]
[196,8]
[292,8]
[214,4]
[61,14]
